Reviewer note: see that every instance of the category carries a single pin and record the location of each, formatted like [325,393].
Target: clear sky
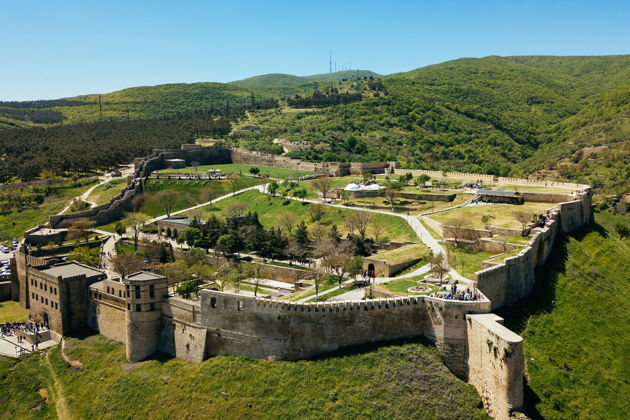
[61,48]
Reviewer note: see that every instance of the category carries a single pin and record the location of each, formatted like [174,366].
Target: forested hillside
[559,117]
[280,79]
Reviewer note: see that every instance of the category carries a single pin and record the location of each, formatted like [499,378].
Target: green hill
[574,326]
[483,115]
[394,382]
[289,80]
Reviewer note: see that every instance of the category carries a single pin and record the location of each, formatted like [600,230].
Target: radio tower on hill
[330,61]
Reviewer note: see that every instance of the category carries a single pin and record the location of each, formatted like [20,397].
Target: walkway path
[422,233]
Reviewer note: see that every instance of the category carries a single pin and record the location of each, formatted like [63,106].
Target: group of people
[454,294]
[16,328]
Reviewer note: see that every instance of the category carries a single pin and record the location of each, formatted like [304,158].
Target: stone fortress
[139,312]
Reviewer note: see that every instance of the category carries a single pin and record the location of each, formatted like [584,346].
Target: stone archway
[371,270]
[168,232]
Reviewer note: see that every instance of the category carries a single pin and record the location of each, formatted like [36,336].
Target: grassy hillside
[483,115]
[592,146]
[475,115]
[289,80]
[575,326]
[396,382]
[272,210]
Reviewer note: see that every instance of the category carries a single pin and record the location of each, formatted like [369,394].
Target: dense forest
[85,147]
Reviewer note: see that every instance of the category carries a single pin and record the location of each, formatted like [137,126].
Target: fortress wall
[285,330]
[544,198]
[506,283]
[107,316]
[247,157]
[493,283]
[5,290]
[418,172]
[180,332]
[496,247]
[465,233]
[495,364]
[470,176]
[540,183]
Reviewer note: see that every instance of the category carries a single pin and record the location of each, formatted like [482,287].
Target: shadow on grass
[370,347]
[542,298]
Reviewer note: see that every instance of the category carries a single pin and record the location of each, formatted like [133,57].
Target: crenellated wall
[286,330]
[505,283]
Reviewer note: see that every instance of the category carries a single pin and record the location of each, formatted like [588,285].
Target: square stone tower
[144,294]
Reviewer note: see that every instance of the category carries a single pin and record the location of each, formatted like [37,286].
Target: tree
[359,221]
[323,185]
[503,239]
[190,235]
[422,179]
[236,209]
[335,256]
[287,221]
[318,279]
[82,255]
[319,232]
[316,211]
[125,264]
[354,266]
[439,266]
[135,222]
[301,235]
[187,288]
[300,193]
[207,194]
[233,180]
[622,230]
[137,202]
[523,218]
[81,228]
[377,230]
[391,192]
[167,199]
[458,223]
[120,228]
[272,187]
[254,170]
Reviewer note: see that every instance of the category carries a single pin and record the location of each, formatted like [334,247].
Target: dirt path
[63,412]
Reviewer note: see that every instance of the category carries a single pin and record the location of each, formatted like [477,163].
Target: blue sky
[53,49]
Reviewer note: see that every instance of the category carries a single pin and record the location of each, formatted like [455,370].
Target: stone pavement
[9,346]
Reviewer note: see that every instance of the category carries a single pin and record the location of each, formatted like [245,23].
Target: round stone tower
[144,294]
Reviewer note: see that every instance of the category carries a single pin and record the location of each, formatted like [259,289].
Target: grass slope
[11,312]
[575,327]
[278,173]
[271,211]
[407,381]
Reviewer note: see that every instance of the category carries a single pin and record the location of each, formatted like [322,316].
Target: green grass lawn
[467,262]
[13,225]
[395,382]
[278,173]
[401,285]
[12,312]
[104,193]
[533,188]
[575,326]
[271,211]
[403,254]
[500,215]
[502,257]
[190,194]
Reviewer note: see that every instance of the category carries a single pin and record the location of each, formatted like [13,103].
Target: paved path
[104,179]
[422,233]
